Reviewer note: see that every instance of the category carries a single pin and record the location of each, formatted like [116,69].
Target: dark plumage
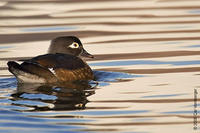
[61,64]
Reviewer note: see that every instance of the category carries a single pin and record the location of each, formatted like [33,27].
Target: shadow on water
[67,96]
[106,76]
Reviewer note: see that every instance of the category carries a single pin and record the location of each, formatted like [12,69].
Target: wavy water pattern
[146,65]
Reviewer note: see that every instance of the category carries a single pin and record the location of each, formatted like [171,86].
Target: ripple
[180,112]
[161,35]
[107,76]
[38,96]
[146,62]
[41,29]
[194,11]
[161,96]
[117,112]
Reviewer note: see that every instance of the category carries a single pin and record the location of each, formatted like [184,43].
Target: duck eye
[74,45]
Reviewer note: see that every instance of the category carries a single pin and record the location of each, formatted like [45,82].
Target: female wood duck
[61,64]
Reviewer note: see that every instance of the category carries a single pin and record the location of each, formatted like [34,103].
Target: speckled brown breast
[76,74]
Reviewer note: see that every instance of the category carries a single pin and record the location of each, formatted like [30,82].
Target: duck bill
[86,54]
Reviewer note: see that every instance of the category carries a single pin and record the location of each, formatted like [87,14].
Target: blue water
[29,106]
[161,96]
[193,46]
[42,29]
[194,11]
[146,62]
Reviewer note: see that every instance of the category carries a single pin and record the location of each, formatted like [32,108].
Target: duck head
[68,45]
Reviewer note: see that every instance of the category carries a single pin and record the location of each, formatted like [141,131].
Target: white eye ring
[74,45]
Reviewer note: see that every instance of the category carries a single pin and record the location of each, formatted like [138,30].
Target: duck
[61,64]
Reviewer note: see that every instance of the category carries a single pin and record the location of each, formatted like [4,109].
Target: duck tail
[27,72]
[19,72]
[14,67]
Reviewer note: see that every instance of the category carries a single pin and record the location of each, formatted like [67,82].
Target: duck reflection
[68,96]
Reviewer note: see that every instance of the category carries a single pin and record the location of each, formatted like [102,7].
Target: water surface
[146,62]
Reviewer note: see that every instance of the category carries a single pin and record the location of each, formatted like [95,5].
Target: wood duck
[61,64]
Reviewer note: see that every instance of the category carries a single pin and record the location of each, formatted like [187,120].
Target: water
[146,62]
